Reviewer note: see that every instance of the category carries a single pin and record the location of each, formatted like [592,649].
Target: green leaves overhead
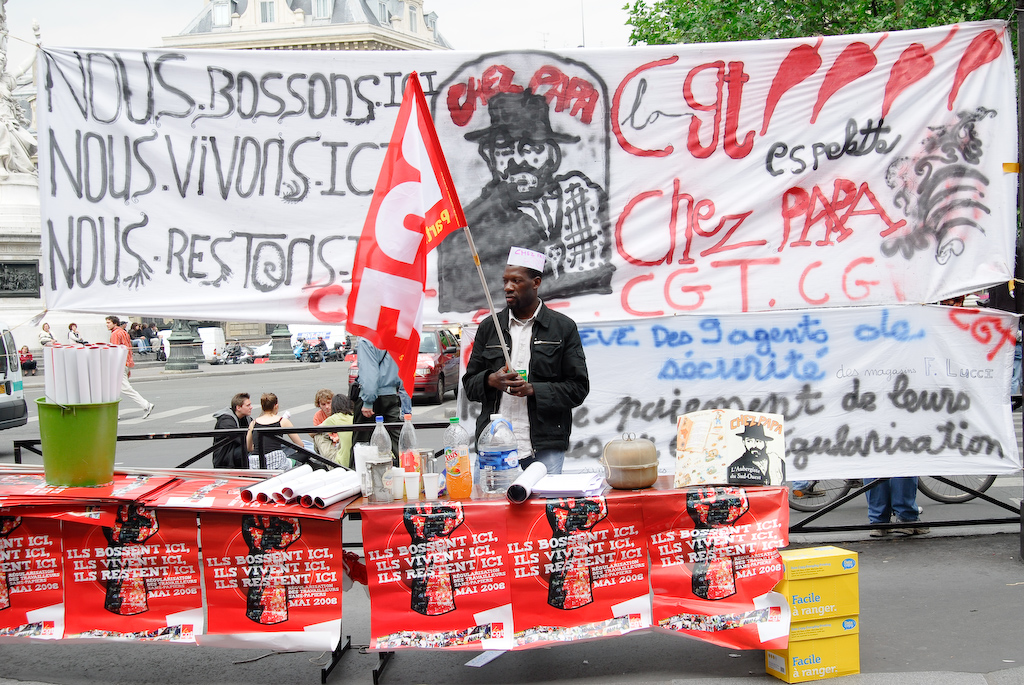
[659,22]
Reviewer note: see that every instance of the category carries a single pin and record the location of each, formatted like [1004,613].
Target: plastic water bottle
[381,439]
[498,455]
[408,452]
[458,469]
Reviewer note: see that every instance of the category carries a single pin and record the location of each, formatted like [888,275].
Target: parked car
[437,365]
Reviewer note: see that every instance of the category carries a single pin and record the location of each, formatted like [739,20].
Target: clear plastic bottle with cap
[408,452]
[498,455]
[381,439]
[458,469]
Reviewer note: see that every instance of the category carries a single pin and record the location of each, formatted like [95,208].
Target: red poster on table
[31,577]
[579,569]
[438,575]
[223,493]
[714,562]
[271,580]
[136,579]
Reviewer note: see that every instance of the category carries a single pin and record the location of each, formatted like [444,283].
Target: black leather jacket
[558,373]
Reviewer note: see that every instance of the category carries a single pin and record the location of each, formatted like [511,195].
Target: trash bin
[78,442]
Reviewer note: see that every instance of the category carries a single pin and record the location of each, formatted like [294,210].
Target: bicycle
[822,493]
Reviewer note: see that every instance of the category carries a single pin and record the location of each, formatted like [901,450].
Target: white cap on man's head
[520,256]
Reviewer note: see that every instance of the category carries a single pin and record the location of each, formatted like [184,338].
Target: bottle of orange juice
[458,471]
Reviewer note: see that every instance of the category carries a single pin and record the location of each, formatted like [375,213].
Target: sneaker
[911,528]
[148,411]
[879,533]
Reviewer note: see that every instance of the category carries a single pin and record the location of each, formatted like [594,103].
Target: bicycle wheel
[947,494]
[820,494]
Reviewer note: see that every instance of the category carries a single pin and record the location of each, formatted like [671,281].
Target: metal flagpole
[490,302]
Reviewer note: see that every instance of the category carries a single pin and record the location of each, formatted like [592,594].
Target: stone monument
[21,295]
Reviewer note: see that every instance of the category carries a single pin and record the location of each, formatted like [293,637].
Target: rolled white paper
[345,483]
[270,484]
[111,374]
[121,357]
[522,487]
[323,501]
[330,479]
[279,481]
[48,375]
[97,383]
[83,381]
[60,385]
[300,486]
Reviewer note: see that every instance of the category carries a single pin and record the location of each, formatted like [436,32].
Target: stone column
[281,345]
[182,357]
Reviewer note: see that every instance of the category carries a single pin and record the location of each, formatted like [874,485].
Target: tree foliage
[658,22]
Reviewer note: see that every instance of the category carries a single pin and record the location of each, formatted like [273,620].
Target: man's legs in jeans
[552,459]
[879,501]
[904,498]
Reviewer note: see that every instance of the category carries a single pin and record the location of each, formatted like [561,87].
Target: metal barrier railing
[264,440]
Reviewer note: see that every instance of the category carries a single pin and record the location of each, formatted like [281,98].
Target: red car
[437,365]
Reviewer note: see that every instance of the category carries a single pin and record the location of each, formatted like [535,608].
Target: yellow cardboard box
[806,660]
[820,583]
[816,562]
[829,627]
[818,598]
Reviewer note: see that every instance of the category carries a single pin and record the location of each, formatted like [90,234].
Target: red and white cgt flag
[414,208]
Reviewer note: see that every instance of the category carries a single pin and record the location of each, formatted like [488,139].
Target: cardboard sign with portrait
[726,446]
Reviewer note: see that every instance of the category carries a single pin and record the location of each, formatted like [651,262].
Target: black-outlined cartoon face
[540,128]
[520,147]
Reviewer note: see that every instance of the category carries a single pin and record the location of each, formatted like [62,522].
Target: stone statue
[17,145]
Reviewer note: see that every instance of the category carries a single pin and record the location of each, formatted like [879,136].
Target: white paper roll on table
[522,487]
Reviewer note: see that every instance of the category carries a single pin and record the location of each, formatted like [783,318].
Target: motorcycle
[304,352]
[336,354]
[235,353]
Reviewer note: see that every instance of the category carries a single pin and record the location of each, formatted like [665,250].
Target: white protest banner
[733,177]
[865,391]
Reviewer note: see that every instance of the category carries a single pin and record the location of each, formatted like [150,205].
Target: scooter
[236,353]
[336,354]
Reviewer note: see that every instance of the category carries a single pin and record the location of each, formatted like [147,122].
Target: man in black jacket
[548,377]
[232,454]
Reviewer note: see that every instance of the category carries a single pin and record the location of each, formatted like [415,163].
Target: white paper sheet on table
[570,485]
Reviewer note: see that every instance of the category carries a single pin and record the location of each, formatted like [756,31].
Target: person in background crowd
[270,419]
[322,400]
[28,364]
[894,496]
[336,446]
[547,346]
[45,337]
[73,336]
[119,336]
[139,338]
[379,386]
[152,334]
[898,496]
[233,453]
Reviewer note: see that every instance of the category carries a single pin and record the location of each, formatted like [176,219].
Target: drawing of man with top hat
[527,203]
[756,466]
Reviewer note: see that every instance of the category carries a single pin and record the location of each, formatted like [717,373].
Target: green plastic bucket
[78,442]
